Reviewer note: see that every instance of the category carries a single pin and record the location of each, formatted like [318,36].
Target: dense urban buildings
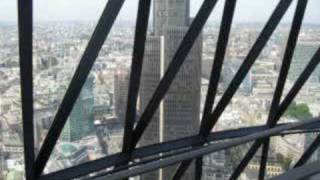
[95,126]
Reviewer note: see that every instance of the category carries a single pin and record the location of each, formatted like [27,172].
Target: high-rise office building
[178,114]
[121,82]
[81,120]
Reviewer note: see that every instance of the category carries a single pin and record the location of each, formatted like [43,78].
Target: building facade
[81,120]
[178,114]
[121,82]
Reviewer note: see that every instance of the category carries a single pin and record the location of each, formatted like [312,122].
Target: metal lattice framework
[181,151]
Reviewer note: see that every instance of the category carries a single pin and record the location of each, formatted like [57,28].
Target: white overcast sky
[89,10]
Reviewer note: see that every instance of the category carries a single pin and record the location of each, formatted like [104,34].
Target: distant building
[121,82]
[110,134]
[272,169]
[81,119]
[46,62]
[273,166]
[67,155]
[178,114]
[215,166]
[304,51]
[229,70]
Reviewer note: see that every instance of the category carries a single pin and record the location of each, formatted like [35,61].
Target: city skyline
[95,128]
[73,10]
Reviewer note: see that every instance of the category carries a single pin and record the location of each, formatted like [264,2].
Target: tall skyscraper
[121,81]
[81,119]
[178,114]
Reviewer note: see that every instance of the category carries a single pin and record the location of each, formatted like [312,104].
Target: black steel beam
[299,173]
[253,54]
[136,67]
[173,68]
[309,69]
[287,58]
[286,102]
[142,162]
[222,43]
[90,54]
[277,110]
[199,151]
[198,171]
[281,109]
[25,25]
[308,153]
[244,162]
[210,120]
[34,167]
[119,158]
[135,74]
[264,158]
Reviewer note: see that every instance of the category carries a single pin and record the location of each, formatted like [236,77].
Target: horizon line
[133,21]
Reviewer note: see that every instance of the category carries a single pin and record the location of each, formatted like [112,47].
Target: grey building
[302,55]
[215,166]
[121,80]
[229,70]
[178,114]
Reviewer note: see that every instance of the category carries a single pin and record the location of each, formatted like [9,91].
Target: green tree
[298,111]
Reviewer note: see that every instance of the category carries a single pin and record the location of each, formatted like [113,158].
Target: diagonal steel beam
[291,44]
[90,54]
[281,109]
[143,161]
[309,69]
[199,151]
[222,43]
[308,153]
[173,68]
[136,67]
[209,122]
[262,40]
[264,158]
[142,152]
[25,25]
[299,173]
[137,61]
[244,162]
[315,144]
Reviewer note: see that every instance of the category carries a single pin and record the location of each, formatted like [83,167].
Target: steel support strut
[25,25]
[90,54]
[222,43]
